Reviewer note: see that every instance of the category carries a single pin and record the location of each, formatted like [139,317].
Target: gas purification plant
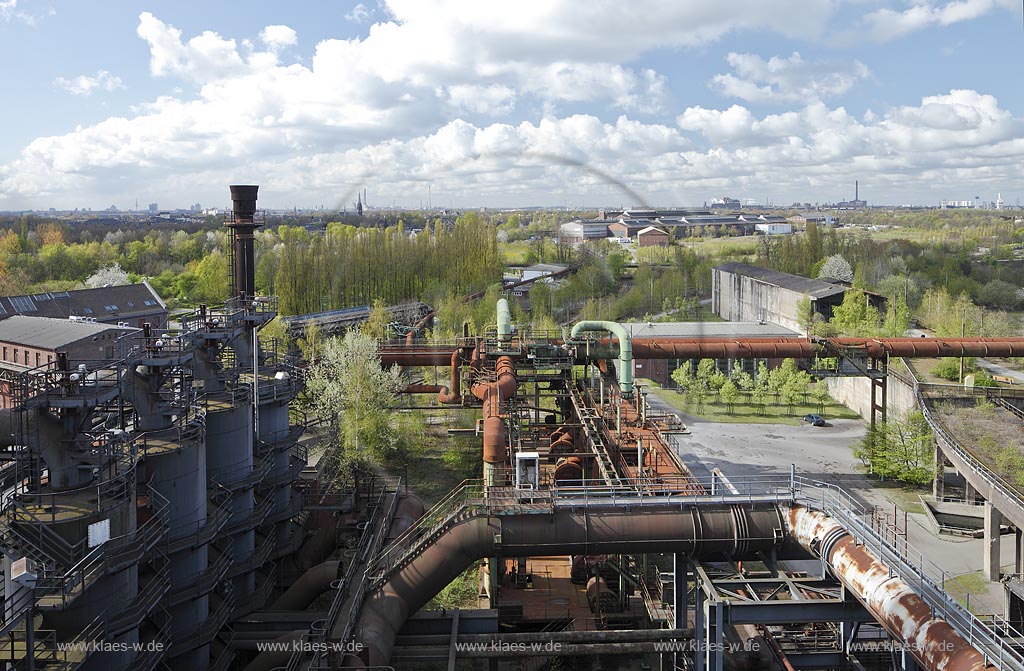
[159,513]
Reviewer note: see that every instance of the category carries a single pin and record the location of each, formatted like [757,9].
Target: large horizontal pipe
[700,531]
[309,586]
[750,348]
[903,613]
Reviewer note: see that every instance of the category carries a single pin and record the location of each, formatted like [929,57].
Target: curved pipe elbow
[625,349]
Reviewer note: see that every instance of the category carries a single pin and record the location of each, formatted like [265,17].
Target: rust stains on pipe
[903,613]
[422,389]
[391,355]
[453,392]
[802,348]
[420,325]
[740,532]
[494,395]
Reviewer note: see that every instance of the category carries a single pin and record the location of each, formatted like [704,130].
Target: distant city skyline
[502,104]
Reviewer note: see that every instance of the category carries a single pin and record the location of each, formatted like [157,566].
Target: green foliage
[855,317]
[948,368]
[901,449]
[350,391]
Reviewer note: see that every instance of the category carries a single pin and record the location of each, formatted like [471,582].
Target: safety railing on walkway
[989,633]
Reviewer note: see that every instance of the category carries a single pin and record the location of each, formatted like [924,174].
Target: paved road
[822,453]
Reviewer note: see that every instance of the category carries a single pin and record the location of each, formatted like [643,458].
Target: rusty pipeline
[740,532]
[569,469]
[803,348]
[904,614]
[494,395]
[410,337]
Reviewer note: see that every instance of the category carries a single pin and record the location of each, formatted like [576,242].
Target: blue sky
[534,102]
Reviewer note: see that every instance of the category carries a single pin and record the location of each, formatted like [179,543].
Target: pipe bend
[625,349]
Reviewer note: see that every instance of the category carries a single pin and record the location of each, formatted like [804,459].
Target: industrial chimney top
[243,201]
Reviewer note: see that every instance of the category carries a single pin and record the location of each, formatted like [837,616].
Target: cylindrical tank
[600,598]
[229,461]
[569,470]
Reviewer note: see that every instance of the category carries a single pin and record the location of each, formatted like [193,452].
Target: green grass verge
[966,589]
[749,414]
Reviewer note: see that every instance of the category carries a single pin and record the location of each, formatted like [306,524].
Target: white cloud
[887,24]
[84,85]
[359,14]
[7,8]
[786,80]
[491,100]
[277,37]
[934,147]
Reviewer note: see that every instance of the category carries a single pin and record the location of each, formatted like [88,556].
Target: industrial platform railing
[989,633]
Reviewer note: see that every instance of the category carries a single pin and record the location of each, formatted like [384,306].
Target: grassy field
[749,414]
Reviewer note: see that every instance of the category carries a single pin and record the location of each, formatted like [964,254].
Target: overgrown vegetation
[902,449]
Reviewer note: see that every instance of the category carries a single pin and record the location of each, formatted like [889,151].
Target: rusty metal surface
[719,348]
[898,608]
[494,395]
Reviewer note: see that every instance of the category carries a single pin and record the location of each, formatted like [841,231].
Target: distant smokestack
[856,189]
[243,205]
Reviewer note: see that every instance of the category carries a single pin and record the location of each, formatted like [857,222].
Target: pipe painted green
[504,321]
[625,350]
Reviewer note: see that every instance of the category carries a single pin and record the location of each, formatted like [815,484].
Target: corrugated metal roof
[802,285]
[50,333]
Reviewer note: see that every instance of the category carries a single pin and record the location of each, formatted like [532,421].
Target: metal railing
[991,634]
[469,500]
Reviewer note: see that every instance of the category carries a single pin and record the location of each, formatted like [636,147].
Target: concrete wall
[855,393]
[746,299]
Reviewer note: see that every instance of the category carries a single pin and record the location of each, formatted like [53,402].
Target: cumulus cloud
[277,37]
[426,95]
[359,14]
[786,80]
[84,85]
[887,24]
[936,146]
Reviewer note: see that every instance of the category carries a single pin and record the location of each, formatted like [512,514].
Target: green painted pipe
[625,349]
[504,321]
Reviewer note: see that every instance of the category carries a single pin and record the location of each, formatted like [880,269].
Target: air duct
[625,350]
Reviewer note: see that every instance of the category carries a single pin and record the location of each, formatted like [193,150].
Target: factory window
[37,358]
[111,308]
[5,353]
[87,311]
[15,359]
[26,357]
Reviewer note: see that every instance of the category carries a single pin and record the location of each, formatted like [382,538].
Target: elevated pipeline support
[494,395]
[903,613]
[625,350]
[741,532]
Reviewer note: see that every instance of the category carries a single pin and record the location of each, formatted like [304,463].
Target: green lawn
[749,414]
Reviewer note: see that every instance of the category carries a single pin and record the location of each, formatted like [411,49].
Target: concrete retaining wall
[855,393]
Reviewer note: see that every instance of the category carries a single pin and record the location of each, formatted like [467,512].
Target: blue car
[814,420]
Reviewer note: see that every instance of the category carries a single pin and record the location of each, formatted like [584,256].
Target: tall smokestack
[856,189]
[243,205]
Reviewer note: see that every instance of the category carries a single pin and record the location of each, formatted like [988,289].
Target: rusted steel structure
[895,605]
